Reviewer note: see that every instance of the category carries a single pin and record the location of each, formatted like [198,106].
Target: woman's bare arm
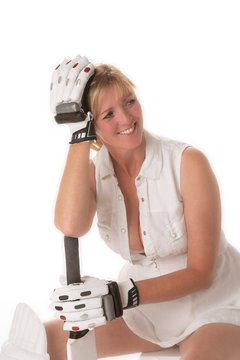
[202,210]
[76,203]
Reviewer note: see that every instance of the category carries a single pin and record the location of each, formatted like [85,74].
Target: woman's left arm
[202,211]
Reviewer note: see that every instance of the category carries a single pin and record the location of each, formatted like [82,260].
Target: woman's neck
[128,162]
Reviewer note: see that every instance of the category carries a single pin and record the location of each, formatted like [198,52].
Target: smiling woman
[158,206]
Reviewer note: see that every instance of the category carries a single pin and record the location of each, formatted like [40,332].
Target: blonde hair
[105,76]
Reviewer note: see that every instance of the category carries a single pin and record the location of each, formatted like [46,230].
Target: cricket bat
[81,344]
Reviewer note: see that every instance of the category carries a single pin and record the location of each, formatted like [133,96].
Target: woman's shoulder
[194,160]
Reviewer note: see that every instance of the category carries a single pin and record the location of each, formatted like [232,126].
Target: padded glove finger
[54,85]
[77,67]
[62,80]
[81,83]
[70,306]
[89,288]
[83,325]
[80,315]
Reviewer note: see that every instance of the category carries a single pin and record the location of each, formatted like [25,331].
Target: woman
[158,205]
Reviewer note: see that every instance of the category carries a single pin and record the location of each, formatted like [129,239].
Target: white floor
[170,354]
[135,356]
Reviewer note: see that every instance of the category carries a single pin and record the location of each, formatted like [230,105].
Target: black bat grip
[72,260]
[73,272]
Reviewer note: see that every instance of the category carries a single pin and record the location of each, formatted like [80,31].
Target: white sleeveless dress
[164,238]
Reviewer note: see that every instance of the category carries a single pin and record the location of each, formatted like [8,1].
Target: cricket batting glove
[27,339]
[68,97]
[93,302]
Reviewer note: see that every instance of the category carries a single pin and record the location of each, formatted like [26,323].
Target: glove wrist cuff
[85,134]
[129,294]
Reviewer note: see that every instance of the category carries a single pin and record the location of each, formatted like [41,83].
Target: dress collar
[151,166]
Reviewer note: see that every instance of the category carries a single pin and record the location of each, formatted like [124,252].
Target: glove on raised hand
[93,302]
[68,97]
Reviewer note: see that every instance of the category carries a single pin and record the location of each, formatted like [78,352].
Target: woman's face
[119,123]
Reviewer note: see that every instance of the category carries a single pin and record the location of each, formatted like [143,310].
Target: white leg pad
[27,338]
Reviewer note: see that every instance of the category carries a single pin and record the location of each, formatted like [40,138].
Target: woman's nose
[125,116]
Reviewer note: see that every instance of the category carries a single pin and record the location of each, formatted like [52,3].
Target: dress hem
[191,329]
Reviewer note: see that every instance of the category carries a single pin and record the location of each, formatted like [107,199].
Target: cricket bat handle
[73,272]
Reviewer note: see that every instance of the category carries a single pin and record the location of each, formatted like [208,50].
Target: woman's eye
[131,101]
[109,115]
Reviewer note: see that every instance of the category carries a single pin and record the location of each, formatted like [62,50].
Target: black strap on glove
[85,134]
[133,297]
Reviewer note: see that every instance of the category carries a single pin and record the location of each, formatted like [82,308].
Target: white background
[184,58]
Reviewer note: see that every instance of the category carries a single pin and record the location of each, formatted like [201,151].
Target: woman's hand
[93,302]
[68,97]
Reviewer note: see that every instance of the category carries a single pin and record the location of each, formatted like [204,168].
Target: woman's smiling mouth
[127,131]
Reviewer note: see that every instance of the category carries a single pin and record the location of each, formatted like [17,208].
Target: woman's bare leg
[56,340]
[116,338]
[216,341]
[112,339]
